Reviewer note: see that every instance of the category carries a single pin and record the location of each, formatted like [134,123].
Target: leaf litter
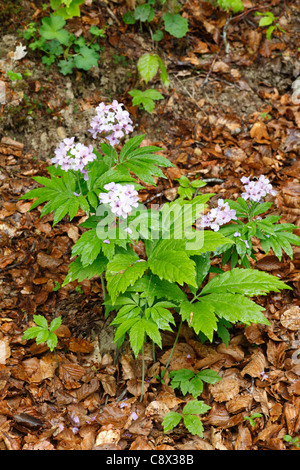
[225,115]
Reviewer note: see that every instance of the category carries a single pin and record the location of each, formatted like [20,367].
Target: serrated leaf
[148,66]
[88,247]
[56,322]
[209,376]
[122,272]
[200,316]
[244,281]
[235,308]
[172,264]
[195,407]
[41,321]
[193,424]
[86,59]
[52,28]
[137,336]
[171,420]
[52,341]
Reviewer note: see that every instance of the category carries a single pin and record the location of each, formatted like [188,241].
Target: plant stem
[175,342]
[103,286]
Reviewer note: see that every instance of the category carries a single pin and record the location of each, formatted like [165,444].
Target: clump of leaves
[59,45]
[252,418]
[190,417]
[42,333]
[189,382]
[231,5]
[66,8]
[187,188]
[146,99]
[268,19]
[14,76]
[169,19]
[291,440]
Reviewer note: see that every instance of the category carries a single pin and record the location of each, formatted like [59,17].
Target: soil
[204,124]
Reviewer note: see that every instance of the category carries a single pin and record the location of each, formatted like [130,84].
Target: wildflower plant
[248,224]
[145,292]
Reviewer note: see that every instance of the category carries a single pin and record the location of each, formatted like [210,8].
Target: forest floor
[226,114]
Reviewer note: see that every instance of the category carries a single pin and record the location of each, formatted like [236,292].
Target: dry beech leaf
[290,319]
[4,350]
[244,439]
[260,133]
[80,345]
[225,390]
[111,436]
[70,374]
[255,366]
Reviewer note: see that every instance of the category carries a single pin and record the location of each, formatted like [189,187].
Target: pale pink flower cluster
[256,190]
[121,199]
[71,156]
[218,216]
[112,122]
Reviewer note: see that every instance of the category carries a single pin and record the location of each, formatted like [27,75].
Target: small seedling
[187,188]
[252,418]
[14,76]
[189,382]
[291,440]
[268,19]
[190,417]
[145,99]
[42,332]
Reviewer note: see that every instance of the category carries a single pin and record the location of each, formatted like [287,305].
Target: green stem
[103,286]
[175,342]
[78,180]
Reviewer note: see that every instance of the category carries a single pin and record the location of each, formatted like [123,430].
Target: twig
[210,70]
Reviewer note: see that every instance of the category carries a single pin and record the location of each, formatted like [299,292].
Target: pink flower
[218,216]
[112,122]
[256,190]
[121,199]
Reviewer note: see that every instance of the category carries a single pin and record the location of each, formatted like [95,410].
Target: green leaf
[244,281]
[41,321]
[130,146]
[173,264]
[129,18]
[86,59]
[88,247]
[206,241]
[148,66]
[209,376]
[145,98]
[234,5]
[235,308]
[176,25]
[52,341]
[42,336]
[52,28]
[137,336]
[200,316]
[265,21]
[56,322]
[66,66]
[195,407]
[122,272]
[31,333]
[144,12]
[193,424]
[171,420]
